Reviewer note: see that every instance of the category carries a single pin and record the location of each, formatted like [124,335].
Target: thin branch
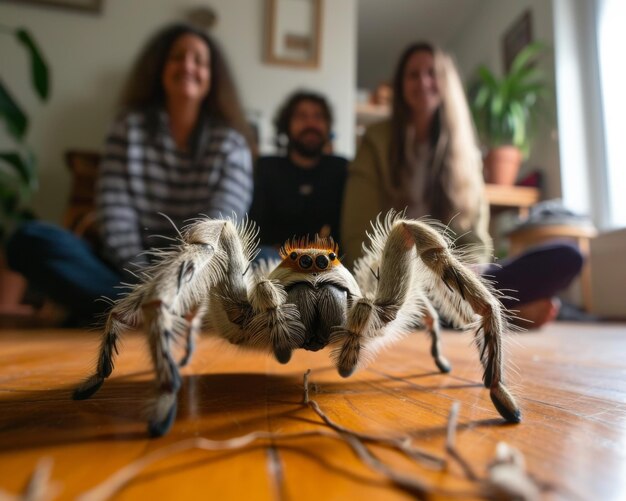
[119,479]
[451,444]
[275,471]
[411,484]
[305,399]
[401,444]
[38,487]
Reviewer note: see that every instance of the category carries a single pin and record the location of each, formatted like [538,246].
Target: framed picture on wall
[85,5]
[293,32]
[518,36]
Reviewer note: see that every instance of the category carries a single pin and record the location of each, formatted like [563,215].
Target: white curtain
[611,43]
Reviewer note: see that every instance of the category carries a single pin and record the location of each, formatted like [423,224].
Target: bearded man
[299,193]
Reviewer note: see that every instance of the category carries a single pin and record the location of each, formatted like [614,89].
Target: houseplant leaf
[518,119]
[39,69]
[490,81]
[24,168]
[504,108]
[9,199]
[12,114]
[525,57]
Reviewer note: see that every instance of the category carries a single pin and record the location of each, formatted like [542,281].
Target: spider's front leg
[194,320]
[176,287]
[261,319]
[405,242]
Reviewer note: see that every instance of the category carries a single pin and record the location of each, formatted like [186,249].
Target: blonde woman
[425,160]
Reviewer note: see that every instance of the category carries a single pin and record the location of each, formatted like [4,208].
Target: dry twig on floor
[451,443]
[507,477]
[305,399]
[38,487]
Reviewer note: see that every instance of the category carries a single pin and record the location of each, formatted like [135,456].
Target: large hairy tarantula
[309,300]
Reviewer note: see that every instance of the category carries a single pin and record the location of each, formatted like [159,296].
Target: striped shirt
[143,174]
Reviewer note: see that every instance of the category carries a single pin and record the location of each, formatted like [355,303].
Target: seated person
[299,193]
[180,147]
[424,159]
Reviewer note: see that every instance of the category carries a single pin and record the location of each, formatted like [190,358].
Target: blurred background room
[346,50]
[532,161]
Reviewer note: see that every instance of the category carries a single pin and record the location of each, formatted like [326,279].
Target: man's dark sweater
[294,201]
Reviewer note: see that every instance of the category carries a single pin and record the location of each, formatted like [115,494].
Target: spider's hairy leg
[179,287]
[160,325]
[258,318]
[430,319]
[177,283]
[125,314]
[275,320]
[435,254]
[194,319]
[367,317]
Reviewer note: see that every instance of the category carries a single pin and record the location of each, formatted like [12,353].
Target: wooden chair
[80,214]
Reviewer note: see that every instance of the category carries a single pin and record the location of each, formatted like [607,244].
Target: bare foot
[537,313]
[51,314]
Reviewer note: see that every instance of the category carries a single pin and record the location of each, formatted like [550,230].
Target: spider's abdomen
[321,307]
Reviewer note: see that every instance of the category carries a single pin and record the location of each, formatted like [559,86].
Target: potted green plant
[505,111]
[18,175]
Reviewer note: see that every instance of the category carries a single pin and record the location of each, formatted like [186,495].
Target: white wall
[386,27]
[480,42]
[90,55]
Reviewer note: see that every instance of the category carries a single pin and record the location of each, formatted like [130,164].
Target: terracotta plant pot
[502,165]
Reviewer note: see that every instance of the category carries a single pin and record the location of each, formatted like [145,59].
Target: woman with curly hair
[180,147]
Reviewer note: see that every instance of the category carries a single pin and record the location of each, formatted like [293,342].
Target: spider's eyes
[321,262]
[332,256]
[306,261]
[293,256]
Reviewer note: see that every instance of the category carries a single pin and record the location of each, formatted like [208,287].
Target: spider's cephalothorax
[308,300]
[318,284]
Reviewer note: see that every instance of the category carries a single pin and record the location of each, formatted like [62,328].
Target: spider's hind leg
[161,331]
[402,242]
[430,319]
[451,274]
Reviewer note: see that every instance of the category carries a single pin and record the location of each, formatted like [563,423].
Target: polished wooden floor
[570,380]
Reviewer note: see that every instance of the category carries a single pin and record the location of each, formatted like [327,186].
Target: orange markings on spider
[304,255]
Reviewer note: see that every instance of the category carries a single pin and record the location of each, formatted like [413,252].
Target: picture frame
[293,32]
[518,36]
[89,6]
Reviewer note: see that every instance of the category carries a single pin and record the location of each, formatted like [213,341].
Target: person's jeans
[267,253]
[64,268]
[538,273]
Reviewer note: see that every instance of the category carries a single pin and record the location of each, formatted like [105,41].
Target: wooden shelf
[517,197]
[367,113]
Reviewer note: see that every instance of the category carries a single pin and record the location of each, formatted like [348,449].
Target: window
[611,44]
